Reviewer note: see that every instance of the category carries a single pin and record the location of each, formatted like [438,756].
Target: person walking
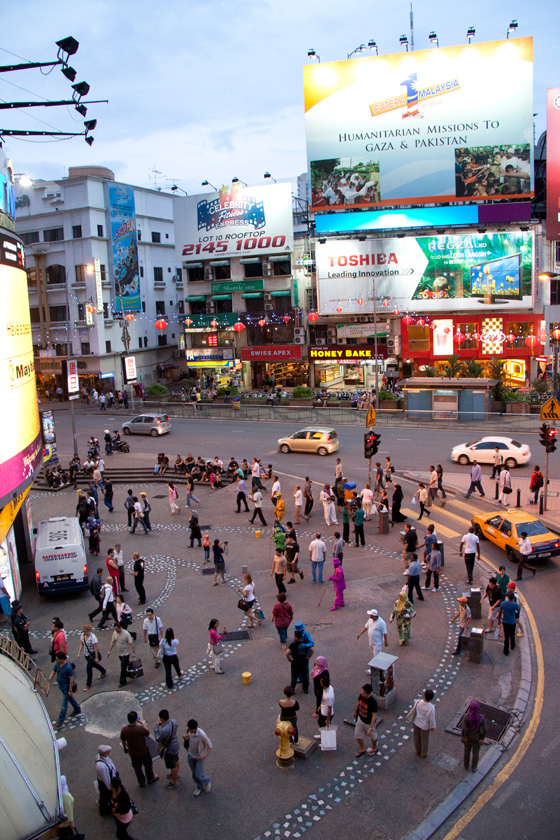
[320,667]
[317,555]
[153,633]
[168,646]
[497,463]
[402,612]
[241,494]
[190,491]
[168,747]
[194,528]
[504,485]
[215,645]
[298,654]
[256,483]
[509,610]
[121,808]
[537,481]
[282,616]
[298,502]
[502,579]
[279,569]
[123,643]
[248,593]
[326,708]
[275,491]
[377,632]
[198,746]
[338,471]
[379,482]
[339,583]
[308,494]
[108,603]
[398,496]
[146,510]
[424,722]
[367,500]
[138,517]
[173,494]
[133,739]
[89,644]
[358,520]
[422,496]
[119,558]
[365,715]
[113,570]
[105,771]
[432,486]
[108,495]
[430,541]
[346,522]
[434,567]
[138,575]
[476,481]
[219,562]
[410,540]
[473,733]
[58,638]
[280,507]
[413,580]
[258,502]
[327,498]
[338,546]
[439,472]
[470,544]
[525,550]
[64,673]
[129,507]
[292,557]
[464,616]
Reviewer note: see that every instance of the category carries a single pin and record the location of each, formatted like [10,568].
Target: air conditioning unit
[331,340]
[178,354]
[210,308]
[208,273]
[331,333]
[393,345]
[269,307]
[299,331]
[267,269]
[320,341]
[363,319]
[266,296]
[341,341]
[354,319]
[299,339]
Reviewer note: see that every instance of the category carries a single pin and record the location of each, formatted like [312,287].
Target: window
[30,238]
[555,289]
[106,313]
[107,346]
[195,274]
[557,253]
[181,307]
[282,304]
[85,348]
[81,312]
[468,329]
[34,315]
[253,269]
[76,231]
[145,341]
[160,307]
[222,272]
[223,306]
[418,338]
[167,236]
[31,277]
[53,235]
[102,272]
[56,275]
[141,271]
[179,275]
[255,304]
[156,237]
[158,274]
[139,232]
[198,307]
[58,313]
[169,269]
[162,340]
[311,299]
[143,306]
[61,349]
[100,230]
[281,268]
[80,273]
[140,342]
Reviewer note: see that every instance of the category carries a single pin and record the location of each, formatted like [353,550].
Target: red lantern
[188,322]
[433,326]
[556,333]
[396,311]
[459,338]
[532,341]
[161,324]
[129,317]
[408,319]
[360,301]
[262,322]
[91,309]
[447,330]
[312,317]
[339,308]
[239,327]
[213,323]
[421,322]
[511,337]
[475,336]
[385,303]
[286,319]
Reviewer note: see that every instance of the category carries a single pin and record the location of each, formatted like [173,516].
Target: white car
[483,449]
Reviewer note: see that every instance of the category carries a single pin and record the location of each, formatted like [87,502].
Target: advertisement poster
[553,164]
[420,274]
[124,248]
[50,456]
[72,379]
[20,449]
[442,125]
[236,221]
[129,365]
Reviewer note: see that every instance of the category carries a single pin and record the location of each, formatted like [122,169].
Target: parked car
[504,528]
[482,450]
[314,439]
[147,424]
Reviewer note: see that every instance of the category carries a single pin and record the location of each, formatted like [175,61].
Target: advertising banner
[426,273]
[553,163]
[210,354]
[236,221]
[354,353]
[277,353]
[237,286]
[20,445]
[124,247]
[444,125]
[129,367]
[50,456]
[72,380]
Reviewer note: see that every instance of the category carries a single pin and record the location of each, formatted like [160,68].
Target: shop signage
[237,286]
[209,354]
[342,354]
[130,374]
[552,169]
[224,319]
[361,330]
[73,383]
[275,353]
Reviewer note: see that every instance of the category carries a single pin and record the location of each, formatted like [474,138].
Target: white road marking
[509,791]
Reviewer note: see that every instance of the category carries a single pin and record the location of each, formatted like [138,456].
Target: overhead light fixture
[471,32]
[403,41]
[322,241]
[70,73]
[67,45]
[89,140]
[482,230]
[361,238]
[360,49]
[175,188]
[373,46]
[238,181]
[81,89]
[208,184]
[434,40]
[81,109]
[90,124]
[313,54]
[512,27]
[268,175]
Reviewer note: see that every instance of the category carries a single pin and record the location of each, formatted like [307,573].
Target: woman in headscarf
[337,578]
[396,515]
[473,734]
[67,828]
[321,667]
[403,612]
[196,533]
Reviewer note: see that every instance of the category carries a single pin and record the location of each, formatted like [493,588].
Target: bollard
[497,492]
[441,550]
[384,522]
[474,599]
[475,645]
[518,497]
[257,534]
[541,505]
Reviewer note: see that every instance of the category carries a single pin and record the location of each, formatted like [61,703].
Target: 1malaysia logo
[232,208]
[414,96]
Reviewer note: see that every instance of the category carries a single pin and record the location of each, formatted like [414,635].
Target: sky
[209,89]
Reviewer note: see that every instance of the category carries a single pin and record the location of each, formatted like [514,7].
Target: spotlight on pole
[434,40]
[512,28]
[403,41]
[208,184]
[373,46]
[313,54]
[471,32]
[67,45]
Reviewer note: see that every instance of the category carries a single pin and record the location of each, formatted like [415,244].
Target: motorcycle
[93,452]
[119,445]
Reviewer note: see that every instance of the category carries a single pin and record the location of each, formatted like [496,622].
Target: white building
[67,226]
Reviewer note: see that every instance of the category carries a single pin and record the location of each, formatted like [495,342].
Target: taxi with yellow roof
[504,528]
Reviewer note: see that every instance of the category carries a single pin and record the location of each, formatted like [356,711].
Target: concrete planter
[517,408]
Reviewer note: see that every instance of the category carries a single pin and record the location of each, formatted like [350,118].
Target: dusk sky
[212,90]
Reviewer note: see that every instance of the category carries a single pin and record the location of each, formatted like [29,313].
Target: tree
[454,368]
[473,369]
[496,370]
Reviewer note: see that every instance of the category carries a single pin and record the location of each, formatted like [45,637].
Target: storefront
[210,363]
[346,366]
[272,365]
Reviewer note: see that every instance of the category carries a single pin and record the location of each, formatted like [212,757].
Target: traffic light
[543,435]
[371,444]
[551,439]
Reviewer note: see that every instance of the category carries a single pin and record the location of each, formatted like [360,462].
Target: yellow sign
[370,419]
[550,410]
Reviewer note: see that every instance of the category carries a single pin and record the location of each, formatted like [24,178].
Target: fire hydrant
[285,753]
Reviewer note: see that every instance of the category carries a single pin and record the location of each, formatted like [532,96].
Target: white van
[60,556]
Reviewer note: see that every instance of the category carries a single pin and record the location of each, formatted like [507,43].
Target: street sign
[549,411]
[370,419]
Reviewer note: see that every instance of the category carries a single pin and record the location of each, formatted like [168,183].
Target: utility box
[439,545]
[474,599]
[475,645]
[382,668]
[384,522]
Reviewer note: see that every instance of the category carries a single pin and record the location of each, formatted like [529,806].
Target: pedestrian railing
[9,647]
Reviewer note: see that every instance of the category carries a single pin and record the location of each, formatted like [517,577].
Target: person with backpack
[168,746]
[537,481]
[504,485]
[64,673]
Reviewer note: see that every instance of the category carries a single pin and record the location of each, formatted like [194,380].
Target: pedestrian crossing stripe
[452,515]
[464,506]
[441,529]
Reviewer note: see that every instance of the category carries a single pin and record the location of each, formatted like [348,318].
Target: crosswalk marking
[460,519]
[464,506]
[441,529]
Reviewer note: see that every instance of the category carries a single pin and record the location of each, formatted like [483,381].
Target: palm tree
[473,369]
[496,370]
[454,368]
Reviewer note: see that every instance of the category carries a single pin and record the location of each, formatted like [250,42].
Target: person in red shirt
[113,570]
[282,616]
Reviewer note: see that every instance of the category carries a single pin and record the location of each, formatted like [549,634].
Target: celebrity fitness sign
[422,127]
[421,273]
[235,222]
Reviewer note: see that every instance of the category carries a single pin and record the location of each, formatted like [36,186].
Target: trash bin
[384,522]
[439,545]
[475,645]
[474,599]
[236,403]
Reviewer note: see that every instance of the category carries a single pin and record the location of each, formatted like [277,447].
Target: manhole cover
[235,635]
[497,720]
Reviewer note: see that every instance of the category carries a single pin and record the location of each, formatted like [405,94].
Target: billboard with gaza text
[236,221]
[443,125]
[419,274]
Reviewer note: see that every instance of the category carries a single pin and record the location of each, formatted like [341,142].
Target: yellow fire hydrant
[285,753]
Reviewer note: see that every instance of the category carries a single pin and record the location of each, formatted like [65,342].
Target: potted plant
[157,393]
[302,395]
[387,400]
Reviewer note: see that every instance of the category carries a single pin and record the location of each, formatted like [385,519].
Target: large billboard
[553,163]
[124,248]
[443,125]
[425,273]
[20,442]
[236,221]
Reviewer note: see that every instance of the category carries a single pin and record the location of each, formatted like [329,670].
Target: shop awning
[279,258]
[250,260]
[281,293]
[218,263]
[195,298]
[221,297]
[194,265]
[252,294]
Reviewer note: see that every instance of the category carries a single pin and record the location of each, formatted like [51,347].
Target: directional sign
[370,419]
[549,411]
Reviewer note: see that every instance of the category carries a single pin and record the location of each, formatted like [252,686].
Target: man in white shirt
[424,723]
[276,488]
[107,597]
[138,516]
[471,546]
[256,475]
[433,487]
[317,554]
[198,749]
[105,770]
[153,633]
[329,509]
[298,502]
[367,500]
[377,632]
[257,501]
[525,549]
[326,709]
[338,473]
[118,556]
[123,643]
